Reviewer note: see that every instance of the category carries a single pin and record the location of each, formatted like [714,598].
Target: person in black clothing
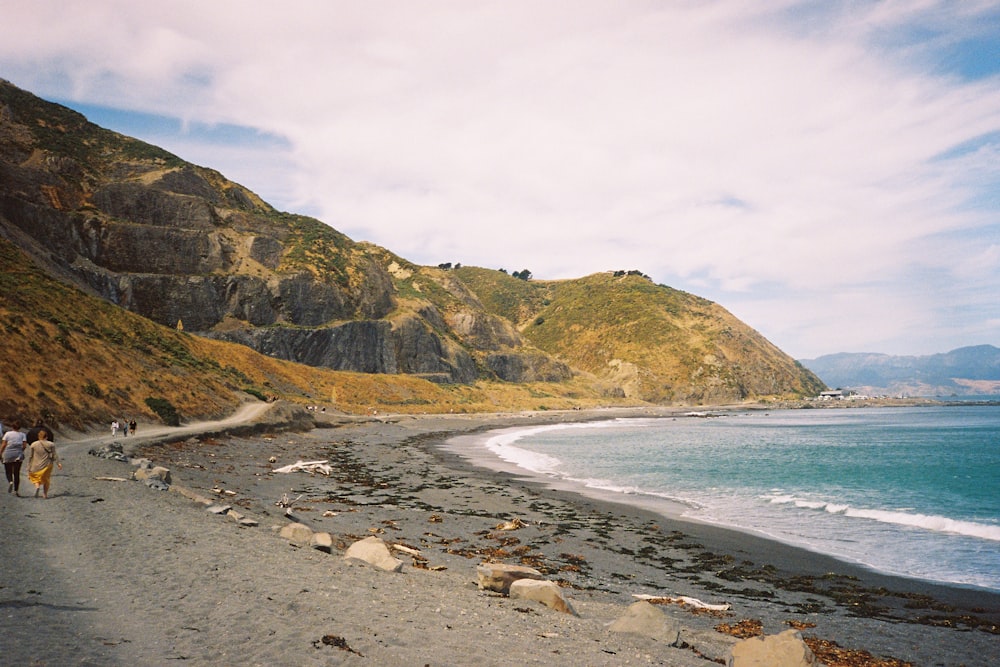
[36,429]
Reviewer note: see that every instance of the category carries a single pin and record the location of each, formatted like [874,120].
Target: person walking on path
[41,458]
[114,428]
[36,429]
[12,452]
[131,426]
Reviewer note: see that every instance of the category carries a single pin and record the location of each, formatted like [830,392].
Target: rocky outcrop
[527,367]
[365,346]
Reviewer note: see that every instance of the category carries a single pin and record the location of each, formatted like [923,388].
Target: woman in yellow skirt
[41,458]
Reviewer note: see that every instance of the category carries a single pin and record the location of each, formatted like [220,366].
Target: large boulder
[374,551]
[157,472]
[498,577]
[322,541]
[297,533]
[648,620]
[546,592]
[782,650]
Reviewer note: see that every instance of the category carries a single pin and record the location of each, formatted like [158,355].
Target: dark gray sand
[109,572]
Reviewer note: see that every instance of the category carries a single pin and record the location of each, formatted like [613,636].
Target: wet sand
[111,572]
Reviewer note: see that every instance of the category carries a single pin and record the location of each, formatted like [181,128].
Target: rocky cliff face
[183,246]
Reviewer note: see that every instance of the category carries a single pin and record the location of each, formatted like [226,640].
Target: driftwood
[322,467]
[405,550]
[286,502]
[511,525]
[682,599]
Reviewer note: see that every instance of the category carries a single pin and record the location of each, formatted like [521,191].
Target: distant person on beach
[125,428]
[114,428]
[12,452]
[41,458]
[131,426]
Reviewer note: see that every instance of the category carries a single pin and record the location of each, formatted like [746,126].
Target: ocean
[912,491]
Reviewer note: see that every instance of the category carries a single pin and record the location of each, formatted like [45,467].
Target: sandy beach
[109,571]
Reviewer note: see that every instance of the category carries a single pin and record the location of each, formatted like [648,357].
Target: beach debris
[786,649]
[683,600]
[111,479]
[223,492]
[219,509]
[272,459]
[113,451]
[498,577]
[285,502]
[799,625]
[513,524]
[421,564]
[374,551]
[328,512]
[748,627]
[435,518]
[546,592]
[298,534]
[322,467]
[643,618]
[334,640]
[831,654]
[410,551]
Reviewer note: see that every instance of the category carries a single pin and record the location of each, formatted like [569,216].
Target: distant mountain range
[962,372]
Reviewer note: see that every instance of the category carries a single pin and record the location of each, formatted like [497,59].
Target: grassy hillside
[76,360]
[176,242]
[658,343]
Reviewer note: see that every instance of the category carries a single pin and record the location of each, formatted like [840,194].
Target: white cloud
[768,159]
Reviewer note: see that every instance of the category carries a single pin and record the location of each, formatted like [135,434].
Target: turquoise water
[908,491]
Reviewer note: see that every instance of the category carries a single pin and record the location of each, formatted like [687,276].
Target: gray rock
[321,541]
[297,534]
[782,650]
[156,472]
[648,620]
[156,484]
[498,577]
[546,592]
[374,551]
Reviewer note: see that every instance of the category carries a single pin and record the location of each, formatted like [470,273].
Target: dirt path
[247,413]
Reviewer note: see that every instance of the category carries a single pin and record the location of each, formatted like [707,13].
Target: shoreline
[470,449]
[117,573]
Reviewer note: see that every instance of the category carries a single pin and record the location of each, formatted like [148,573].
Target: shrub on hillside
[165,410]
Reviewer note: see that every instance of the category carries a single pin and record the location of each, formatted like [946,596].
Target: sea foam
[940,524]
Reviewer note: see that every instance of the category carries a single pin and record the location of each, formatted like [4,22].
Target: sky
[827,171]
